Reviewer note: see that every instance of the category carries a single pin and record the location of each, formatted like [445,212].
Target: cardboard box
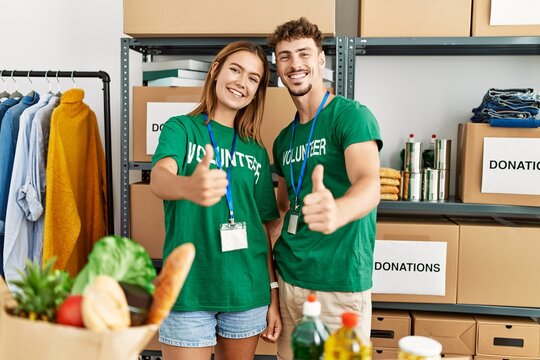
[507,336]
[22,339]
[455,332]
[486,357]
[498,263]
[481,15]
[380,353]
[170,18]
[142,95]
[434,230]
[397,18]
[388,326]
[279,112]
[470,161]
[147,220]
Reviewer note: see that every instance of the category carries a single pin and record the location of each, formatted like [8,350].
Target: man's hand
[207,186]
[320,209]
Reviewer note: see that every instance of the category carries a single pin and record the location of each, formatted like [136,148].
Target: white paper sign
[511,166]
[409,267]
[515,12]
[157,113]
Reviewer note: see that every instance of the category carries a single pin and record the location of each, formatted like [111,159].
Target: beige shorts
[333,304]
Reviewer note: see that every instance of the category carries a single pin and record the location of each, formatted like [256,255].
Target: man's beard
[300,92]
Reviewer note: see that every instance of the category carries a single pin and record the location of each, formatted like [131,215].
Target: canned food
[412,186]
[430,185]
[443,152]
[413,157]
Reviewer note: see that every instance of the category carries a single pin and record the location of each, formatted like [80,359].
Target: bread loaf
[388,189]
[170,282]
[389,173]
[104,305]
[389,197]
[389,181]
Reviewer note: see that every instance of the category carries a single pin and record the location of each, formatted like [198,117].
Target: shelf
[202,45]
[497,45]
[459,308]
[456,208]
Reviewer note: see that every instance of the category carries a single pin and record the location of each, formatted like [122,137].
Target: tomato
[69,313]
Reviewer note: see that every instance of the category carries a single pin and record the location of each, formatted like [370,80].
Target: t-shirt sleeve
[172,142]
[277,165]
[358,124]
[265,196]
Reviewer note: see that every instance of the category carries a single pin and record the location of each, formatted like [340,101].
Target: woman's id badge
[233,236]
[293,222]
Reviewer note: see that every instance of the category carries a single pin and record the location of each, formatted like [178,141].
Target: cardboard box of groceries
[111,309]
[23,339]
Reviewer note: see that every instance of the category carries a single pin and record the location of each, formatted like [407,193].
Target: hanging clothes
[76,208]
[9,131]
[32,194]
[19,232]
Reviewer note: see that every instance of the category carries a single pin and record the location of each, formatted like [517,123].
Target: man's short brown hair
[296,29]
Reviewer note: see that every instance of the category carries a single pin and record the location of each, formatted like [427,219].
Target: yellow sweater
[75,208]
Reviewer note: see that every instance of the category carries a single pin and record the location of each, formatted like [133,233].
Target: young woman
[213,173]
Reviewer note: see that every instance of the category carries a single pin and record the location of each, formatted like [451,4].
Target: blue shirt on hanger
[9,130]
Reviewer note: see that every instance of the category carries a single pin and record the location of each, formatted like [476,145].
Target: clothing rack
[106,112]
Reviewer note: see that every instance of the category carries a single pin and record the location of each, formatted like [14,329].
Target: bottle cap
[349,319]
[311,306]
[420,346]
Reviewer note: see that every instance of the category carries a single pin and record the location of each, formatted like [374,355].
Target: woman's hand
[207,186]
[273,319]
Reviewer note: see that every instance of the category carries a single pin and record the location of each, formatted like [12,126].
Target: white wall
[67,35]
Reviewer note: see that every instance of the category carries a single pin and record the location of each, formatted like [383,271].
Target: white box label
[157,113]
[409,267]
[511,166]
[515,12]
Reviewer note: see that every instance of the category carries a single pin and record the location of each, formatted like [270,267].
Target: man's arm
[325,214]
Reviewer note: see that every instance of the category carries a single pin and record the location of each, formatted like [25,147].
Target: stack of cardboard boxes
[414,18]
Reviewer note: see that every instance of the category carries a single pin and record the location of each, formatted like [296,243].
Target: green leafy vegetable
[122,259]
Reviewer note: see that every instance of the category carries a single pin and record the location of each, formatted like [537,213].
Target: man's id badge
[293,222]
[233,236]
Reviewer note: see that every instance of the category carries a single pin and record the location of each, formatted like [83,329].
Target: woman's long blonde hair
[248,120]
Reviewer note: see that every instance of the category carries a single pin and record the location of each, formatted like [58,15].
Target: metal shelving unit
[433,46]
[454,207]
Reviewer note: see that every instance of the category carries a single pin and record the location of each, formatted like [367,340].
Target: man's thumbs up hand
[320,209]
[207,185]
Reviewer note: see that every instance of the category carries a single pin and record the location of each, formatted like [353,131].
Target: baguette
[389,173]
[389,181]
[170,282]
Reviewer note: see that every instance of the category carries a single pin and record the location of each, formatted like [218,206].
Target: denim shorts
[199,328]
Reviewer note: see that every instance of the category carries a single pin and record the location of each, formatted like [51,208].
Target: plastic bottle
[419,348]
[309,335]
[345,343]
[428,156]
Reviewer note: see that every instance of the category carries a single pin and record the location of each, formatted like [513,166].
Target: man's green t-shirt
[219,281]
[343,260]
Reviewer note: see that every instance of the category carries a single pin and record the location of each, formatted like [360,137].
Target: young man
[328,165]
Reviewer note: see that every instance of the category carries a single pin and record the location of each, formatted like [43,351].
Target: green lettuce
[122,259]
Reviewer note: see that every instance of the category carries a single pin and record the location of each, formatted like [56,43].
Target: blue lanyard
[220,166]
[297,188]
